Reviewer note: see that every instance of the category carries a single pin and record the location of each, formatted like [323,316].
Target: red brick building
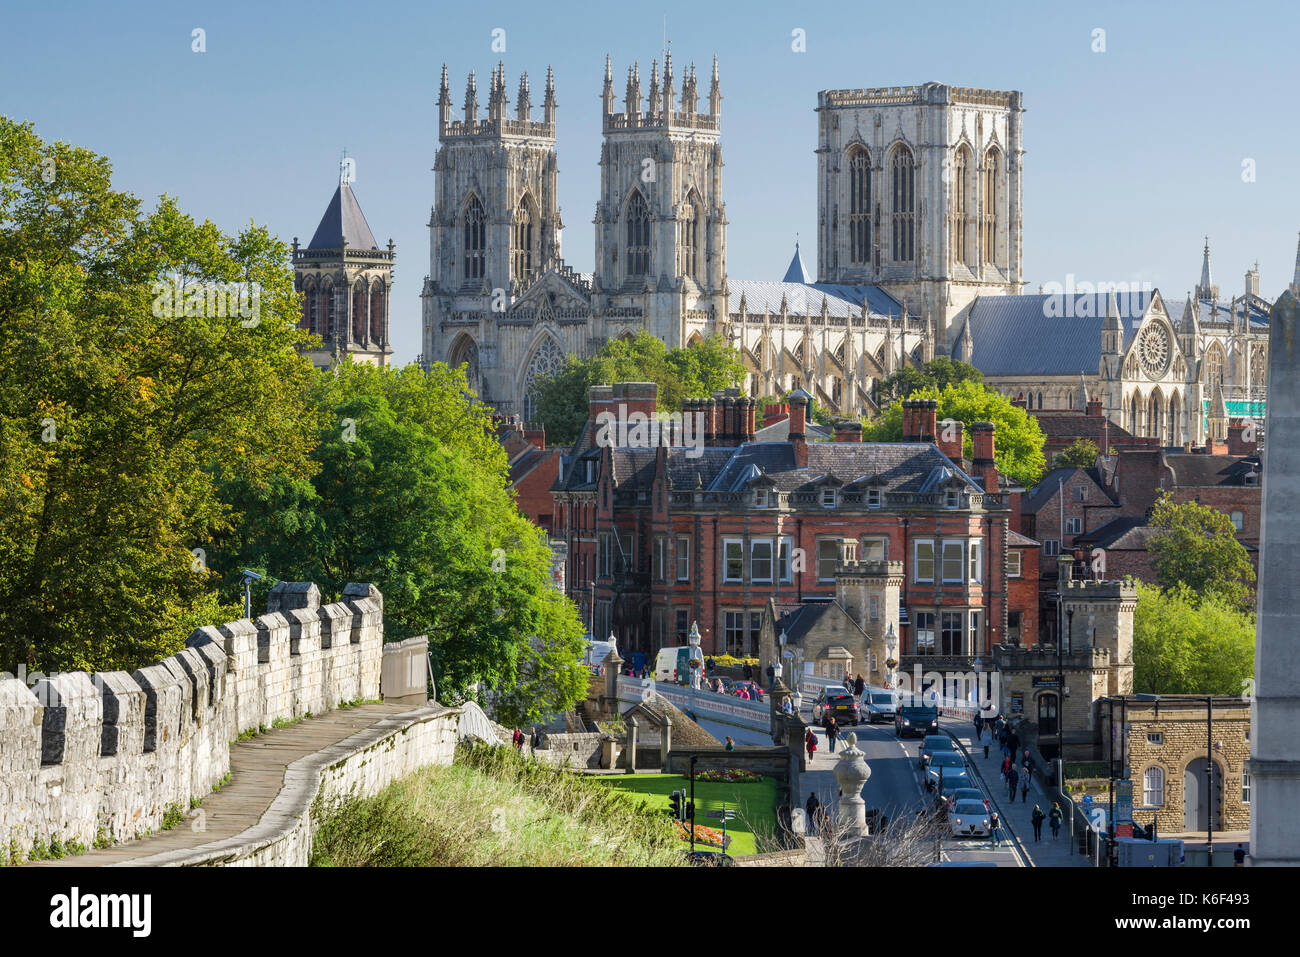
[660,538]
[1063,427]
[533,467]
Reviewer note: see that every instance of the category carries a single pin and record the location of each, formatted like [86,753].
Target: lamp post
[891,658]
[694,657]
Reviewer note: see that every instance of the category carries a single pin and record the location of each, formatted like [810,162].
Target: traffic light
[677,805]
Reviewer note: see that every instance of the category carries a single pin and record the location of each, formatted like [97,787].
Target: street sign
[1123,802]
[1046,681]
[721,815]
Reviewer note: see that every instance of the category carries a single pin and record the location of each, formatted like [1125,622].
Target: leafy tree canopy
[938,373]
[1018,441]
[122,406]
[411,494]
[1185,643]
[695,371]
[1197,547]
[1081,453]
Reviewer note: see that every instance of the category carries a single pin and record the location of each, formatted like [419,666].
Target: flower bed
[703,835]
[729,776]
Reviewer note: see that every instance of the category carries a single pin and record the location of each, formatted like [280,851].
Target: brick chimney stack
[846,430]
[535,433]
[1094,409]
[920,420]
[798,425]
[982,462]
[1237,445]
[775,413]
[749,417]
[599,398]
[950,441]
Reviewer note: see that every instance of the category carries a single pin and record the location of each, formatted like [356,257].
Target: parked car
[936,744]
[879,705]
[952,767]
[969,819]
[916,721]
[839,703]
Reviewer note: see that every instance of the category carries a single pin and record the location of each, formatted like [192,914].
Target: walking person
[534,739]
[812,808]
[1055,819]
[810,743]
[995,829]
[1239,857]
[1013,778]
[986,739]
[832,732]
[979,725]
[1025,781]
[859,686]
[1037,818]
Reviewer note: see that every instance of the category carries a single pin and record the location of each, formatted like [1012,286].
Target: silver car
[969,819]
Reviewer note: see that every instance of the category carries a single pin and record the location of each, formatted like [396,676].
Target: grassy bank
[755,803]
[493,809]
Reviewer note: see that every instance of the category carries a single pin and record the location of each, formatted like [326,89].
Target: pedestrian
[787,706]
[979,724]
[995,829]
[1037,818]
[859,686]
[1055,818]
[832,731]
[1006,768]
[1013,744]
[710,664]
[534,739]
[1239,857]
[771,676]
[812,808]
[810,742]
[1013,778]
[986,739]
[518,739]
[731,745]
[749,672]
[1024,787]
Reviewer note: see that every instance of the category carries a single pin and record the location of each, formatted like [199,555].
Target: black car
[839,703]
[916,721]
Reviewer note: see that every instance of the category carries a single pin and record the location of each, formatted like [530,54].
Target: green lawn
[755,804]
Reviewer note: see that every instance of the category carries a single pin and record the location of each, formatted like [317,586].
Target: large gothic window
[547,360]
[990,219]
[465,353]
[1213,368]
[859,207]
[904,214]
[377,312]
[525,258]
[960,196]
[327,310]
[1258,367]
[310,307]
[475,239]
[689,243]
[638,235]
[359,312]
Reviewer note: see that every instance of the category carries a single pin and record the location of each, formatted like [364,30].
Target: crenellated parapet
[94,757]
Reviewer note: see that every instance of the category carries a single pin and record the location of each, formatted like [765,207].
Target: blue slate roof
[1045,334]
[343,219]
[1217,312]
[805,298]
[797,272]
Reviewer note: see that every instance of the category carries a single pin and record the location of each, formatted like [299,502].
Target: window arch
[904,209]
[464,352]
[1258,367]
[547,359]
[689,242]
[1153,787]
[1214,365]
[377,312]
[310,307]
[990,218]
[524,240]
[960,199]
[327,308]
[638,235]
[859,163]
[359,312]
[475,224]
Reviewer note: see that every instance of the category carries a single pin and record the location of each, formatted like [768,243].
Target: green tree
[1185,643]
[1081,453]
[411,494]
[1018,441]
[121,409]
[692,372]
[938,374]
[1196,546]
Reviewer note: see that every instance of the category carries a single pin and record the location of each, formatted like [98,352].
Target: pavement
[1017,816]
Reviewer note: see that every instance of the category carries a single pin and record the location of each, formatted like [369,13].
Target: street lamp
[694,657]
[891,658]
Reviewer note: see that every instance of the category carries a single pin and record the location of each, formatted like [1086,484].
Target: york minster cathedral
[919,254]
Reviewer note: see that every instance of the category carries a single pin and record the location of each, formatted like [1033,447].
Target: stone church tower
[919,190]
[346,282]
[661,222]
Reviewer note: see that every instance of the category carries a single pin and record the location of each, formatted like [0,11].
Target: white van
[595,652]
[670,664]
[878,705]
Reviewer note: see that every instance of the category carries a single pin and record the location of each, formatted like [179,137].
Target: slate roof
[343,219]
[1028,335]
[686,733]
[799,622]
[1130,533]
[1218,312]
[797,272]
[1059,427]
[805,299]
[1041,493]
[1016,540]
[1192,470]
[780,432]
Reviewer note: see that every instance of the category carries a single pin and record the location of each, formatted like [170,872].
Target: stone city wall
[104,756]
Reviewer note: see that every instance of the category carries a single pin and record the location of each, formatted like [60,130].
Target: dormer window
[828,498]
[1251,478]
[873,498]
[760,498]
[952,498]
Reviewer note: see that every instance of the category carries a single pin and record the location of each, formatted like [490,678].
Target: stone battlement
[94,757]
[1090,590]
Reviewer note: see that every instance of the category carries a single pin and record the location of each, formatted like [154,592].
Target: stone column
[778,695]
[631,744]
[665,742]
[613,665]
[851,772]
[1275,708]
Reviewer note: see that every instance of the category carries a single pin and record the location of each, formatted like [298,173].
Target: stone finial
[852,773]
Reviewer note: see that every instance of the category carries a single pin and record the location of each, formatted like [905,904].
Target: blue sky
[1134,154]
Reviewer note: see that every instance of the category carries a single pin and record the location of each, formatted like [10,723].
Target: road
[895,786]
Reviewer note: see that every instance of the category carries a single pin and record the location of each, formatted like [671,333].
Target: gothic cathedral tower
[346,282]
[660,222]
[494,228]
[919,191]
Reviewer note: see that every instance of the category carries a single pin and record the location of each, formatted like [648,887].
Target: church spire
[444,102]
[652,104]
[548,98]
[632,100]
[668,85]
[1206,291]
[1295,282]
[523,102]
[715,95]
[471,100]
[497,94]
[607,95]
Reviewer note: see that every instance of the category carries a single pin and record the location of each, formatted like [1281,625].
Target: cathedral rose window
[1154,350]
